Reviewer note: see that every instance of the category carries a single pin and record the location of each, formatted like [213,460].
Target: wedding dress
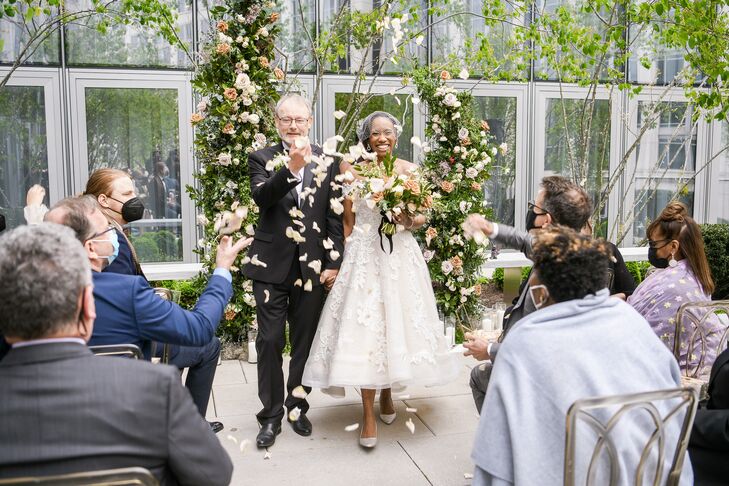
[379,327]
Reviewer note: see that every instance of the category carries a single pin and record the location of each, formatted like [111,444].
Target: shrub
[716,241]
[638,270]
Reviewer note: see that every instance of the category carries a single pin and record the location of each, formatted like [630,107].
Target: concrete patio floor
[437,453]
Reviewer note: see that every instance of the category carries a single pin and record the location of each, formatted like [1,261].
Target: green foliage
[457,162]
[716,244]
[235,117]
[157,246]
[638,270]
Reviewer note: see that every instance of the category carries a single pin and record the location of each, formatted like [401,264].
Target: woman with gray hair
[379,328]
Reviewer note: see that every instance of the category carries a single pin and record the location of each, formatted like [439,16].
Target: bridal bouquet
[392,194]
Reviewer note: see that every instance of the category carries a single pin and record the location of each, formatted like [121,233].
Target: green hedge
[716,242]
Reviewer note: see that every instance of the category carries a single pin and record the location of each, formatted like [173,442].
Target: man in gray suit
[64,410]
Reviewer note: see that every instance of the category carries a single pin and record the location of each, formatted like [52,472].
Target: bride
[379,328]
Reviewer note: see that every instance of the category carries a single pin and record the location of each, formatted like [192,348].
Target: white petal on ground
[244,445]
[299,392]
[308,286]
[267,455]
[339,114]
[315,265]
[230,437]
[403,397]
[467,476]
[295,414]
[352,427]
[411,410]
[257,262]
[410,425]
[267,294]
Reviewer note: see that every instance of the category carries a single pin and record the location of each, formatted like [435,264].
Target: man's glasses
[287,121]
[532,206]
[96,235]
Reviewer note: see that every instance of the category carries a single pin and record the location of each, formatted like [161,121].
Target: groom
[285,286]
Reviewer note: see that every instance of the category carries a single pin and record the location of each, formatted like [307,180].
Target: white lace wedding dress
[379,327]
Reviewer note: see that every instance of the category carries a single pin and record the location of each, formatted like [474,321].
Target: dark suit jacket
[709,444]
[128,311]
[275,195]
[65,410]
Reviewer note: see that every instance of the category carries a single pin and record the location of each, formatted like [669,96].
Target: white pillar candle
[252,355]
[487,324]
[499,324]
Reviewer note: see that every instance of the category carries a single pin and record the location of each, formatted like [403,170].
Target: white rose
[503,148]
[242,81]
[253,118]
[471,172]
[446,267]
[203,105]
[463,133]
[428,255]
[224,159]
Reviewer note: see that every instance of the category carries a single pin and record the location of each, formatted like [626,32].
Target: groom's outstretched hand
[328,277]
[228,251]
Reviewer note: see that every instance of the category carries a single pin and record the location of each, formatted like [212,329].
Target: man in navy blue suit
[128,310]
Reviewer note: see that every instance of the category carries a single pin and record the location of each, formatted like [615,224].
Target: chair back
[599,418]
[129,476]
[701,333]
[128,350]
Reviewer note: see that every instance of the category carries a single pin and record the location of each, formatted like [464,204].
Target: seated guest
[130,312]
[709,444]
[676,249]
[579,343]
[559,201]
[64,410]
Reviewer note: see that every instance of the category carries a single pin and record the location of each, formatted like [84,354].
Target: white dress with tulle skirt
[379,327]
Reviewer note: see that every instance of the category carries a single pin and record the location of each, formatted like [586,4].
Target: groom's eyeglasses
[287,121]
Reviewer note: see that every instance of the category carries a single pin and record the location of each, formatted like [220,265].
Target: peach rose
[196,118]
[456,262]
[447,186]
[228,129]
[477,289]
[263,60]
[475,186]
[445,75]
[428,202]
[223,48]
[431,232]
[412,186]
[377,197]
[485,125]
[274,17]
[231,93]
[230,315]
[222,26]
[279,74]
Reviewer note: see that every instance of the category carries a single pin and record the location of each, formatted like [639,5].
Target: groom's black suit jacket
[275,194]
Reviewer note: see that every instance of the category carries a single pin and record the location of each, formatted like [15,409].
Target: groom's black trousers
[285,301]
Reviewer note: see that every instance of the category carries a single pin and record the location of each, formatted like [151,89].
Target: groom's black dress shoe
[301,426]
[267,435]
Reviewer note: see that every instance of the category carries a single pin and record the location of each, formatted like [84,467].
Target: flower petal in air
[352,427]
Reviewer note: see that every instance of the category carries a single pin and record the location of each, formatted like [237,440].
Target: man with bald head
[131,313]
[65,410]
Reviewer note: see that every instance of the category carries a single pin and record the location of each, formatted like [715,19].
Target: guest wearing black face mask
[114,191]
[559,201]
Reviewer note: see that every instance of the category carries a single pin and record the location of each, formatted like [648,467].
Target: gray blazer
[65,410]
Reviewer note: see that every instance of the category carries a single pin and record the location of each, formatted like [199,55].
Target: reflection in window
[723,162]
[136,130]
[127,45]
[14,34]
[577,146]
[23,148]
[666,160]
[293,40]
[500,113]
[659,66]
[403,111]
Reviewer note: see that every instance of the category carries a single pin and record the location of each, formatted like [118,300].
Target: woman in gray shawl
[579,343]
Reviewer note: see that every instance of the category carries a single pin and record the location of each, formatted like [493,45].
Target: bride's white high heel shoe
[368,442]
[388,418]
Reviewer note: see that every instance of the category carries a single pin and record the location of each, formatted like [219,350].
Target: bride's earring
[672,262]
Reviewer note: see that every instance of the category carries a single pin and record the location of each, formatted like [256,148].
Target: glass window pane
[292,39]
[652,63]
[23,148]
[587,24]
[136,130]
[15,35]
[665,161]
[402,111]
[500,113]
[723,183]
[459,38]
[127,45]
[577,146]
